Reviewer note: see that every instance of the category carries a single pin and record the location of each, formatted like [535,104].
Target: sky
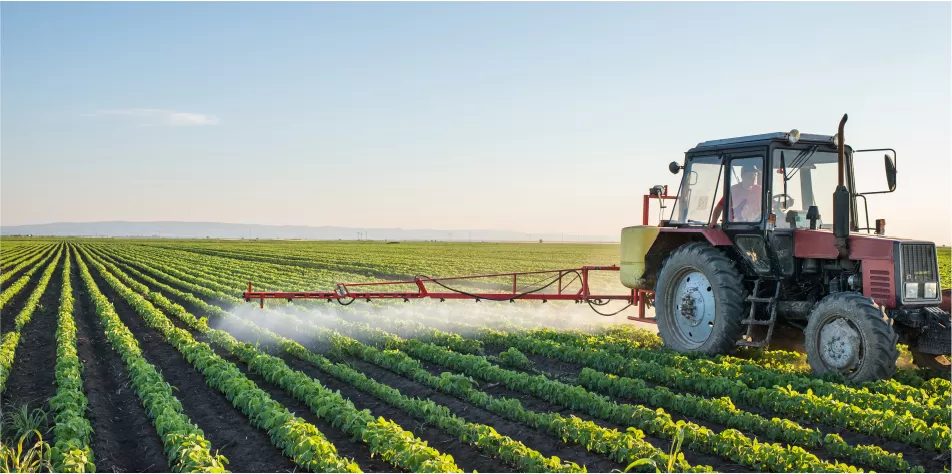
[533,117]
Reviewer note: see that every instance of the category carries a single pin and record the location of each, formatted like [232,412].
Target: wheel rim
[694,308]
[841,345]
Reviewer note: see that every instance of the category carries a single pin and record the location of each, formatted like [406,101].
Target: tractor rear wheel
[847,333]
[699,300]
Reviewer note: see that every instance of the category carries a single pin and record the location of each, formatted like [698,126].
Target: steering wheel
[778,201]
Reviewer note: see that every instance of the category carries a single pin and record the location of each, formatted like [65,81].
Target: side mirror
[891,173]
[674,167]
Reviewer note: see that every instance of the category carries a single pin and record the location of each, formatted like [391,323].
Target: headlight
[912,291]
[931,289]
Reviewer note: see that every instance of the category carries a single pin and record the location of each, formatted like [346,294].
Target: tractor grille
[918,263]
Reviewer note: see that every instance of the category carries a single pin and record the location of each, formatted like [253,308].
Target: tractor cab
[765,182]
[757,191]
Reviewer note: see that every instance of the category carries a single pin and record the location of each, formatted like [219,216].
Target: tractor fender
[668,240]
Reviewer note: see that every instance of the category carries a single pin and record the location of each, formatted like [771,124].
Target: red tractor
[765,229]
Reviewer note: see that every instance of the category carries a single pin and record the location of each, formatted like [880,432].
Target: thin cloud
[158,117]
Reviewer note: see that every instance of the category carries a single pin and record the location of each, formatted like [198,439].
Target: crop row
[184,443]
[731,444]
[10,254]
[384,437]
[779,399]
[45,253]
[299,440]
[71,451]
[11,339]
[719,410]
[17,255]
[722,411]
[14,289]
[933,410]
[625,447]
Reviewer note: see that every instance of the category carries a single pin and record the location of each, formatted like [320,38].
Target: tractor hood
[888,263]
[821,244]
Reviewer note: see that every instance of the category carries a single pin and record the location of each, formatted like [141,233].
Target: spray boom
[557,282]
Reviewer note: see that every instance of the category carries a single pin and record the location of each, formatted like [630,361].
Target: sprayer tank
[635,242]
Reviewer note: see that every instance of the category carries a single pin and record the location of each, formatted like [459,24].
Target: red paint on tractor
[822,244]
[879,283]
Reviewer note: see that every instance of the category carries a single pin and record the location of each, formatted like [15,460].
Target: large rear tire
[699,300]
[847,333]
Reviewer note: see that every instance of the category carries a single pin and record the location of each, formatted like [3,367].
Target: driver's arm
[717,212]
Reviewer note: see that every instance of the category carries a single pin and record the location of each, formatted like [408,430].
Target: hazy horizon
[529,117]
[223,230]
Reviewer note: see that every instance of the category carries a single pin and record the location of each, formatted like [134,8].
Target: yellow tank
[635,242]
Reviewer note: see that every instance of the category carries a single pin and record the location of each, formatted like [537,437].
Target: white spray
[460,317]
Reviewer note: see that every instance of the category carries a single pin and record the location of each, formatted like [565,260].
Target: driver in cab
[745,197]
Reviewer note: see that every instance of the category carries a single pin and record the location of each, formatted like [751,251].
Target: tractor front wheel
[849,334]
[699,300]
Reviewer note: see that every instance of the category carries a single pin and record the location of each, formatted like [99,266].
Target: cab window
[700,190]
[746,194]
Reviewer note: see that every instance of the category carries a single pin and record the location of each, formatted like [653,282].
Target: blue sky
[538,117]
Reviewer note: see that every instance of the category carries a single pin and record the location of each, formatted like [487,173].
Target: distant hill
[218,230]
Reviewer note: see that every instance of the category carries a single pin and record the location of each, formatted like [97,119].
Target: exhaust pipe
[841,197]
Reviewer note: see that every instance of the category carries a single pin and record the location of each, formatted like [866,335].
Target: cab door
[745,211]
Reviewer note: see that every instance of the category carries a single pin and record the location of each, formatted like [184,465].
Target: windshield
[810,181]
[700,189]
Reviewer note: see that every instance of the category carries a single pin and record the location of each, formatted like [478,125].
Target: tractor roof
[763,138]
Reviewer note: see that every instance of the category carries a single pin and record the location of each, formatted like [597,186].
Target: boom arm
[560,280]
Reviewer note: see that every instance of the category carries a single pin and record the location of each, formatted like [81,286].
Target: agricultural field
[142,355]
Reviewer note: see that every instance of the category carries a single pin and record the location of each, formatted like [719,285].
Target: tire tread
[884,340]
[728,287]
